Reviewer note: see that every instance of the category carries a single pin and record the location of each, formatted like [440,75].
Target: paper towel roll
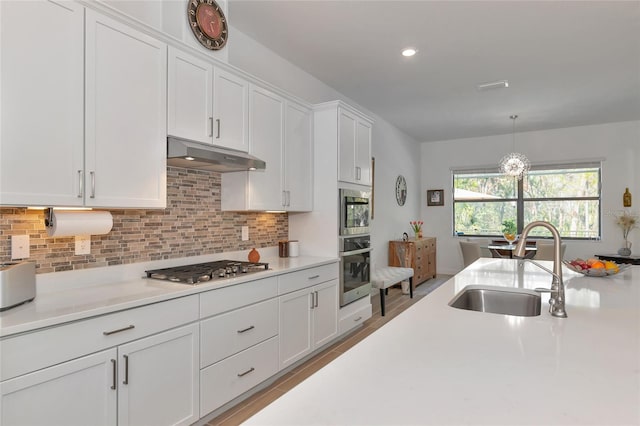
[70,223]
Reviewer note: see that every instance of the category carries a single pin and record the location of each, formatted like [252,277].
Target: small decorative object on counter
[626,198]
[416,225]
[627,221]
[509,231]
[294,248]
[283,248]
[254,256]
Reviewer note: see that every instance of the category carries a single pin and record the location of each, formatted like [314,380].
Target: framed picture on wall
[435,197]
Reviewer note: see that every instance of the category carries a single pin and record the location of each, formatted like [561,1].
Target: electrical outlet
[19,247]
[245,233]
[83,244]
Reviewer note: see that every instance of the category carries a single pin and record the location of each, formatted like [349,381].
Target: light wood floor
[396,302]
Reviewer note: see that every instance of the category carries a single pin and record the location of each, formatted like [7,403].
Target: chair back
[544,250]
[470,252]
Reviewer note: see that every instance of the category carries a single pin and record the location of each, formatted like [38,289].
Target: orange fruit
[597,265]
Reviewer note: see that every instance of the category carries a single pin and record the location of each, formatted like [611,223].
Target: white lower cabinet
[75,393]
[308,320]
[151,381]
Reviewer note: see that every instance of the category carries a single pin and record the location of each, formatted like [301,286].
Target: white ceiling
[569,63]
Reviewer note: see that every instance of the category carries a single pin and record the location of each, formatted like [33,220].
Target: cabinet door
[295,326]
[125,143]
[79,392]
[298,161]
[325,313]
[363,152]
[41,124]
[190,97]
[159,379]
[346,146]
[266,121]
[230,111]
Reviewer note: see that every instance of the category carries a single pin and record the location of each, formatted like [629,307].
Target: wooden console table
[419,254]
[633,259]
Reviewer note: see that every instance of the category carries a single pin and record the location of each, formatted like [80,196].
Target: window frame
[520,199]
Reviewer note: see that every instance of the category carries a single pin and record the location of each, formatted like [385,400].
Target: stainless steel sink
[498,300]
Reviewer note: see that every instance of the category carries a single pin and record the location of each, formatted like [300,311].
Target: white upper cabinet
[125,136]
[41,124]
[354,147]
[84,117]
[230,110]
[298,158]
[190,105]
[207,104]
[280,135]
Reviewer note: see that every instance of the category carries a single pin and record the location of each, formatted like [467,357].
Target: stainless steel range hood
[196,155]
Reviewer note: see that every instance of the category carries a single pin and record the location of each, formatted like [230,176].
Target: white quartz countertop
[438,365]
[78,302]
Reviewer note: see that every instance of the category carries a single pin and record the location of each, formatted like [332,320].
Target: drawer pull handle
[246,372]
[126,370]
[251,327]
[357,319]
[314,277]
[108,333]
[113,382]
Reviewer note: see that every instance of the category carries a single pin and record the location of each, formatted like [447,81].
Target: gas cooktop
[209,271]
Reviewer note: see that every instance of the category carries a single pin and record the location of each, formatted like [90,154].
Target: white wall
[395,152]
[618,144]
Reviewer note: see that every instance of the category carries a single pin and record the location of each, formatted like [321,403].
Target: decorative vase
[418,234]
[626,250]
[254,256]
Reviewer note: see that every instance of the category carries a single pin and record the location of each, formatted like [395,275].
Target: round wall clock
[208,23]
[401,190]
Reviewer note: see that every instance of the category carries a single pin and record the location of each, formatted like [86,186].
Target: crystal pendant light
[514,164]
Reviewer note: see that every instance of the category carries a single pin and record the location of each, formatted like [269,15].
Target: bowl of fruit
[594,267]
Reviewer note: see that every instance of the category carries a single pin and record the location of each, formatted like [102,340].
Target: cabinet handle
[357,319]
[126,370]
[313,302]
[246,372]
[317,298]
[80,184]
[93,184]
[251,327]
[288,198]
[218,126]
[114,379]
[108,333]
[358,173]
[284,198]
[313,277]
[210,126]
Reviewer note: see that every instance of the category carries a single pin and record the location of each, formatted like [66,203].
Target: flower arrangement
[416,225]
[627,222]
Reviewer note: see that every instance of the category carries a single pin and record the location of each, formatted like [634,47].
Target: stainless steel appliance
[205,272]
[196,155]
[354,268]
[17,284]
[355,211]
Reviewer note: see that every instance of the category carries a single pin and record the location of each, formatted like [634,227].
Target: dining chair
[470,252]
[544,250]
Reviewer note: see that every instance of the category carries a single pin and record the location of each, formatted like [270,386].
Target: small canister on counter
[283,248]
[294,248]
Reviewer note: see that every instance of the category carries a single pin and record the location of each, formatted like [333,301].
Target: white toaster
[17,284]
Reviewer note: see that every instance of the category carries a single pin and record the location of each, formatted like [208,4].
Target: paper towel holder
[48,217]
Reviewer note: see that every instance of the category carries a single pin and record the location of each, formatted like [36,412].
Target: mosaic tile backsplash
[191,225]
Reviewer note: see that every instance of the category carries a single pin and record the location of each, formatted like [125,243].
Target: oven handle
[353,252]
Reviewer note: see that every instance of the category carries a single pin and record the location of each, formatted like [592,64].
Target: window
[567,196]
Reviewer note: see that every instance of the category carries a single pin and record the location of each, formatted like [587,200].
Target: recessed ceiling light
[500,84]
[409,51]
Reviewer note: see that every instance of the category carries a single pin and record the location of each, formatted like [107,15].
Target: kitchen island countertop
[105,290]
[435,364]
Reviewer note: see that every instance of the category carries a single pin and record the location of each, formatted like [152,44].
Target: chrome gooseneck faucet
[556,303]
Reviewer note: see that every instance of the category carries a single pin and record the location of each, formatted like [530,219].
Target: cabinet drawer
[227,379]
[39,349]
[306,278]
[235,331]
[354,319]
[228,298]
